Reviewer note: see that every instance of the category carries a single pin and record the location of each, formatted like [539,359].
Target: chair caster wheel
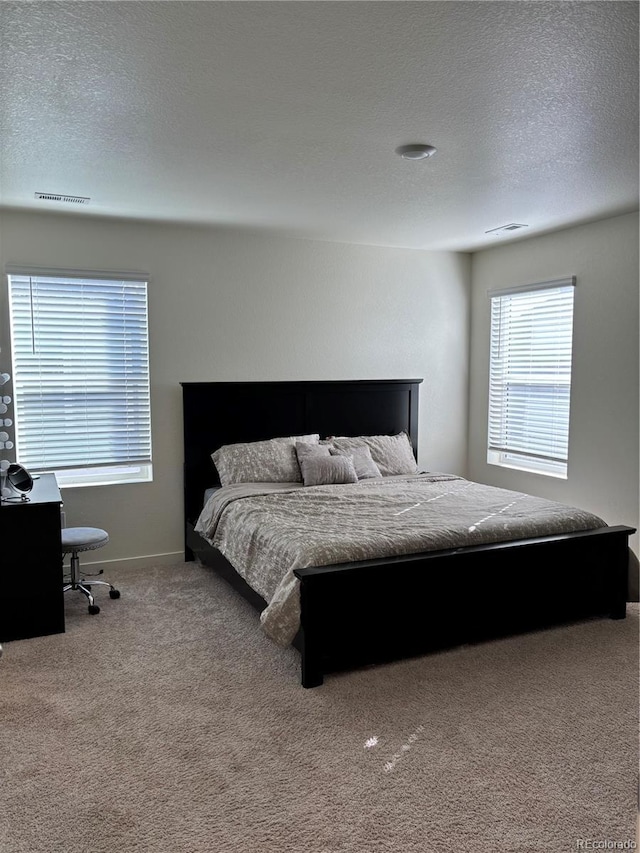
[114,593]
[93,609]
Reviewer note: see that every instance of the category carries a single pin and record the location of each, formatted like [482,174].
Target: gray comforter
[266,530]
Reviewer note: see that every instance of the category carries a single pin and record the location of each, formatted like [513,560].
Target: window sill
[513,467]
[72,485]
[82,478]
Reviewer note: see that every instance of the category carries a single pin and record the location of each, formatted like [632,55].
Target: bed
[369,611]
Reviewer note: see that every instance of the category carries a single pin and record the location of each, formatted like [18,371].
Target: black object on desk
[31,599]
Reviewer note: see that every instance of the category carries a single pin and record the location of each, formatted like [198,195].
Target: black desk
[31,599]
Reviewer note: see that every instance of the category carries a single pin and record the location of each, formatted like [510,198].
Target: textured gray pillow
[366,468]
[271,461]
[392,454]
[318,470]
[304,449]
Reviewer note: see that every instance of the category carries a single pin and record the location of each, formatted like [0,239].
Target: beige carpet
[170,724]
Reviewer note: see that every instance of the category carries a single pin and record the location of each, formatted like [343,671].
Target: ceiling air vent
[69,199]
[506,229]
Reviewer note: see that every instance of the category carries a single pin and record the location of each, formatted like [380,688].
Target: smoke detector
[506,229]
[416,152]
[69,199]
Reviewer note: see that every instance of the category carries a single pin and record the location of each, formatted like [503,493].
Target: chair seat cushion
[83,538]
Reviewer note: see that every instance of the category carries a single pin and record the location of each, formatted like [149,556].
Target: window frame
[109,472]
[506,358]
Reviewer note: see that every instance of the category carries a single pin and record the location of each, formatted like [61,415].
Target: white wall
[231,305]
[603,437]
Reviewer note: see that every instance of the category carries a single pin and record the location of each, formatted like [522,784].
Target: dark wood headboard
[217,413]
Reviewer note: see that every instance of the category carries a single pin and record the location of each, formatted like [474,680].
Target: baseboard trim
[132,563]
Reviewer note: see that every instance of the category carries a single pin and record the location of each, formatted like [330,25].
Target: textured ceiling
[285,115]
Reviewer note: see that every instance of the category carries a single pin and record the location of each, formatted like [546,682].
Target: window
[81,376]
[530,377]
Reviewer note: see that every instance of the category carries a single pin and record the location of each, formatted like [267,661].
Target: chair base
[80,584]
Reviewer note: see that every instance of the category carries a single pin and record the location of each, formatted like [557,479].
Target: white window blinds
[80,371]
[530,376]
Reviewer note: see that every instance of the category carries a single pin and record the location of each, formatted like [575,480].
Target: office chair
[75,540]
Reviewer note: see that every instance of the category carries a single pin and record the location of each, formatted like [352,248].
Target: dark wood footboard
[353,614]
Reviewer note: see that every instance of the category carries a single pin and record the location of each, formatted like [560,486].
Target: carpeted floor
[170,724]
